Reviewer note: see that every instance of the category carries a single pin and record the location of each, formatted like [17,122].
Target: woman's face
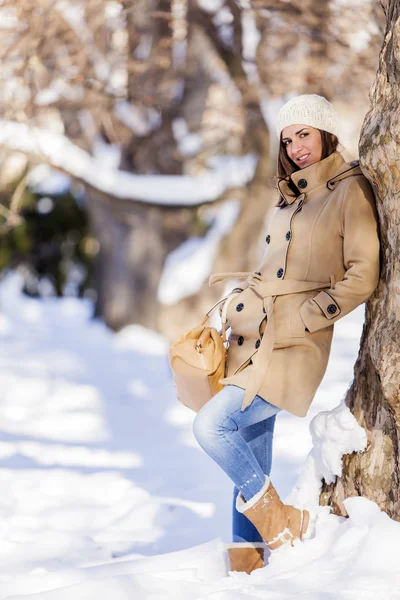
[303,144]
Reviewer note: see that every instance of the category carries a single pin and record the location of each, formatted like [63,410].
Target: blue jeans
[241,444]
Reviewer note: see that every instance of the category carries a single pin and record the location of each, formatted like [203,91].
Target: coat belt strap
[270,288]
[267,290]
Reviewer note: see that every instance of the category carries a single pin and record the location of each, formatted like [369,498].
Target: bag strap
[227,300]
[208,313]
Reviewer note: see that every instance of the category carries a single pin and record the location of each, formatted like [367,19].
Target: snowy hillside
[105,493]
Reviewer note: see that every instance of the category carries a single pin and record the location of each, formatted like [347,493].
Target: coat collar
[328,172]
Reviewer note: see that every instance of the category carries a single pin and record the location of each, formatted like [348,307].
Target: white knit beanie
[308,109]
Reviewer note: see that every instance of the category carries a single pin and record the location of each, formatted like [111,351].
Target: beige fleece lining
[242,505]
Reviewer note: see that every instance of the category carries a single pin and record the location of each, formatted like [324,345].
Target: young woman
[321,261]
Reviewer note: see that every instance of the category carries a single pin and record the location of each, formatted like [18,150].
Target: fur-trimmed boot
[245,556]
[276,522]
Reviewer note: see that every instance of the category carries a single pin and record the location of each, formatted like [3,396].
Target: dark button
[257,344]
[264,311]
[240,306]
[288,235]
[268,239]
[301,202]
[331,309]
[279,273]
[302,183]
[240,340]
[257,273]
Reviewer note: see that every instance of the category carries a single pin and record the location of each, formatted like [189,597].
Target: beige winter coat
[321,261]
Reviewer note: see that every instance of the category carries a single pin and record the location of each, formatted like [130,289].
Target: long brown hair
[286,166]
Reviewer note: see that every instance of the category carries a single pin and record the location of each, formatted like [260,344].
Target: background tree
[176,88]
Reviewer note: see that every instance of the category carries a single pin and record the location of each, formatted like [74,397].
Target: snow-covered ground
[106,494]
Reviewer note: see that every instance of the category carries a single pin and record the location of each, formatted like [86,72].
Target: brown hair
[286,166]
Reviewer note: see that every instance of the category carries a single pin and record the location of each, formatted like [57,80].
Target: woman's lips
[300,160]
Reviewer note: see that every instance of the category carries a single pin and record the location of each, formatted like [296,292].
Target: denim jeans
[241,444]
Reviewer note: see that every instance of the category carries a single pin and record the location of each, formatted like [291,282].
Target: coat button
[288,235]
[257,273]
[264,311]
[302,183]
[331,309]
[240,306]
[268,239]
[257,344]
[279,273]
[240,340]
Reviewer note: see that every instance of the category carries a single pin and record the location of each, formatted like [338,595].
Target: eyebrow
[297,133]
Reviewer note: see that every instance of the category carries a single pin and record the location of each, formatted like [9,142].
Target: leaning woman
[321,261]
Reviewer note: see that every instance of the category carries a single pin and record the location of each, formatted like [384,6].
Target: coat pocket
[297,327]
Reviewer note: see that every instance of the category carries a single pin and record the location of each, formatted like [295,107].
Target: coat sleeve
[360,257]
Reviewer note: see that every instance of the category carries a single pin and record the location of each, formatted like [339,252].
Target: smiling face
[303,144]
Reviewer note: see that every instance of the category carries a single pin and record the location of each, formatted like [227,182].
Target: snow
[335,433]
[251,35]
[225,172]
[250,39]
[360,41]
[112,9]
[270,107]
[107,155]
[180,33]
[8,18]
[73,13]
[223,17]
[47,96]
[187,267]
[211,6]
[141,120]
[42,179]
[143,49]
[105,492]
[189,144]
[57,90]
[223,20]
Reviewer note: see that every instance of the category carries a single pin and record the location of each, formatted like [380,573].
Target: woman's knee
[203,426]
[211,423]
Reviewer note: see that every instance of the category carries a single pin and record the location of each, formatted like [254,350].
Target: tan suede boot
[245,556]
[276,522]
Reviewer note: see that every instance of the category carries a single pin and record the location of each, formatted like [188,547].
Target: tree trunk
[134,237]
[134,240]
[374,397]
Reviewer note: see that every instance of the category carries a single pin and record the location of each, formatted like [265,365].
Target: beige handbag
[198,360]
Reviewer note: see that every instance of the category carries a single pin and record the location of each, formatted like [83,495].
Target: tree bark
[374,397]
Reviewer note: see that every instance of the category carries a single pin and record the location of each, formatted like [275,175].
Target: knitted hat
[308,109]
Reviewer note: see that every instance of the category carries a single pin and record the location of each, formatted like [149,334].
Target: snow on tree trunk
[374,397]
